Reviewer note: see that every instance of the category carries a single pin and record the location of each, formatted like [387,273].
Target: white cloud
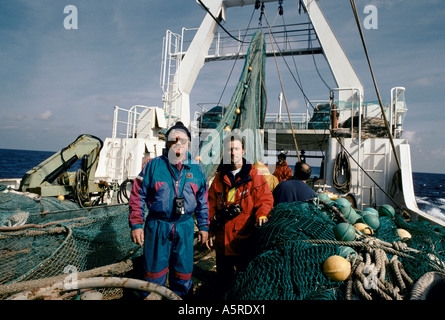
[46,115]
[412,137]
[423,82]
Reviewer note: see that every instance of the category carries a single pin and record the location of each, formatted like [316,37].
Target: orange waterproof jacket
[250,190]
[283,171]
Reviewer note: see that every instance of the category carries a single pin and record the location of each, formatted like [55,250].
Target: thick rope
[52,291]
[115,269]
[373,274]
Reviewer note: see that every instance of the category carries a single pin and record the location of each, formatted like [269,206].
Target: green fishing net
[57,242]
[289,265]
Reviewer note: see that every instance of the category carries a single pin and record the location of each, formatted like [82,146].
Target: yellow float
[337,268]
[364,228]
[405,235]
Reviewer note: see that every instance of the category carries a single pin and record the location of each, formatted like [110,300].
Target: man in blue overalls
[173,189]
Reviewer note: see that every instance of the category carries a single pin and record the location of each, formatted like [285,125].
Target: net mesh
[245,114]
[289,263]
[14,203]
[45,244]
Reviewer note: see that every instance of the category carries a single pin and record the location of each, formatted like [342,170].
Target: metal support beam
[300,52]
[342,70]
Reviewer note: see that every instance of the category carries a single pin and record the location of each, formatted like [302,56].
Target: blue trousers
[168,248]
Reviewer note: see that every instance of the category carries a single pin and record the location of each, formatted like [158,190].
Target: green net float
[342,204]
[344,232]
[346,252]
[351,215]
[371,210]
[324,197]
[337,268]
[386,210]
[370,220]
[346,211]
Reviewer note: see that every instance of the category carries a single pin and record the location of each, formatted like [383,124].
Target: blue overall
[168,236]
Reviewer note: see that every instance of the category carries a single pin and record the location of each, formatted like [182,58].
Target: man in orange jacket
[282,171]
[239,199]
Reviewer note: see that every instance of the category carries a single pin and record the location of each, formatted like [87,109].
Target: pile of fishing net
[39,244]
[12,202]
[371,128]
[301,236]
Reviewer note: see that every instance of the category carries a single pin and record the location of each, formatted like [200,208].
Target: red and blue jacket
[159,183]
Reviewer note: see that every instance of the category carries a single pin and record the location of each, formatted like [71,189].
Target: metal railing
[299,37]
[281,121]
[126,121]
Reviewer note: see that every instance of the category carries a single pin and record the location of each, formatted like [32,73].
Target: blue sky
[58,83]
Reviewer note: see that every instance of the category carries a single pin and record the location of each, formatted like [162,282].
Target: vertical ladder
[171,60]
[376,165]
[115,160]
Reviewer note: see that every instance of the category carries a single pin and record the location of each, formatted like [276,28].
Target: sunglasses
[182,140]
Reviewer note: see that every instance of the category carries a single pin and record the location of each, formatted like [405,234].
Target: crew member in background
[239,199]
[282,171]
[173,189]
[295,189]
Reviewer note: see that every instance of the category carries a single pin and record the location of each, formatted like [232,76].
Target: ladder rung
[373,170]
[375,154]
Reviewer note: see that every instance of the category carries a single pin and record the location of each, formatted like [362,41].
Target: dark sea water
[15,163]
[429,188]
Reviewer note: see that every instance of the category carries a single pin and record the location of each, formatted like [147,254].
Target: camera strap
[175,181]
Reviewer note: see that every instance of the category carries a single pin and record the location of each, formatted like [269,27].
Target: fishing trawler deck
[376,172]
